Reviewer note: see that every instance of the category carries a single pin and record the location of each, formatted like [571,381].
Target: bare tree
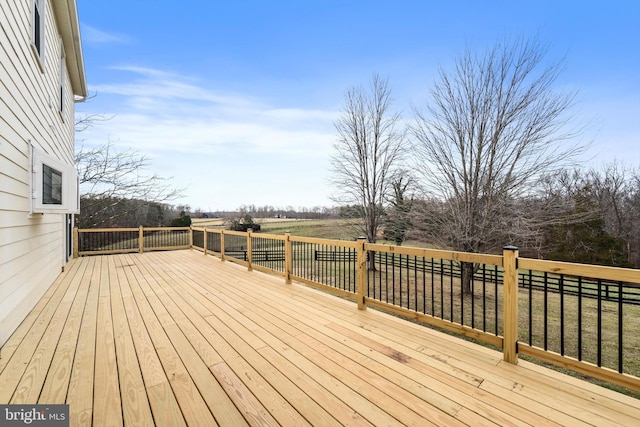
[558,203]
[108,175]
[115,186]
[368,153]
[633,208]
[494,125]
[615,187]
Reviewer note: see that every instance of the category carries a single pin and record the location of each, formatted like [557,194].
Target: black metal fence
[104,240]
[329,264]
[198,238]
[591,320]
[235,246]
[433,287]
[268,253]
[213,242]
[580,286]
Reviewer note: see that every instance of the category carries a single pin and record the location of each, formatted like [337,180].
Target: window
[37,30]
[63,77]
[51,186]
[54,184]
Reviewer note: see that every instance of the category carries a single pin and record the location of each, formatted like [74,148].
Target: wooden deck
[179,338]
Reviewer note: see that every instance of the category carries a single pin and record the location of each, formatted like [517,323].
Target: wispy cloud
[201,135]
[94,36]
[163,85]
[162,111]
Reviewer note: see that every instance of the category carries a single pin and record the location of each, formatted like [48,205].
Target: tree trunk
[467,270]
[371,260]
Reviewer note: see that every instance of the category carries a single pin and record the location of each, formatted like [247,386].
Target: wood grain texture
[177,338]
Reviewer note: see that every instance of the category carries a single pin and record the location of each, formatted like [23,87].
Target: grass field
[222,222]
[340,229]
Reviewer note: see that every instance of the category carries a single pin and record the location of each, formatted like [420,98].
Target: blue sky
[236,99]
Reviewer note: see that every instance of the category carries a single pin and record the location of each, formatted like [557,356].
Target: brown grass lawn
[588,326]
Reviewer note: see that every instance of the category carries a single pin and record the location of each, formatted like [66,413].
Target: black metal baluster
[307,259]
[484,301]
[580,318]
[433,292]
[424,287]
[495,299]
[442,289]
[379,273]
[561,289]
[415,280]
[407,277]
[393,279]
[462,297]
[386,277]
[530,307]
[599,323]
[473,304]
[620,329]
[546,326]
[451,290]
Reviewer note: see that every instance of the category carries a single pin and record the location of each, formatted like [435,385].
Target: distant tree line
[99,212]
[589,216]
[268,211]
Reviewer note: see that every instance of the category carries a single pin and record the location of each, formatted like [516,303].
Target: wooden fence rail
[429,286]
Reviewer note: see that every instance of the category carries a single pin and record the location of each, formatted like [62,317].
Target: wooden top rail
[630,276]
[239,233]
[117,230]
[106,230]
[438,254]
[166,228]
[267,236]
[229,232]
[343,243]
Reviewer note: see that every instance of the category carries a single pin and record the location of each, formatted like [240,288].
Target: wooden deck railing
[96,241]
[520,305]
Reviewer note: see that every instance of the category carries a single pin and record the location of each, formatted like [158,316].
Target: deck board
[178,338]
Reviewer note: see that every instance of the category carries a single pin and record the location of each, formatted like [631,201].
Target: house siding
[32,247]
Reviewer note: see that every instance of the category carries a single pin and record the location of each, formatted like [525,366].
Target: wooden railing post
[204,244]
[288,257]
[190,237]
[221,245]
[141,239]
[510,286]
[249,250]
[361,278]
[76,241]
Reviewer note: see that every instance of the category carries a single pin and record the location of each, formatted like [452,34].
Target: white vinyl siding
[31,246]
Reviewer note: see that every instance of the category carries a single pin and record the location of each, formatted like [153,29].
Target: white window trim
[70,184]
[41,7]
